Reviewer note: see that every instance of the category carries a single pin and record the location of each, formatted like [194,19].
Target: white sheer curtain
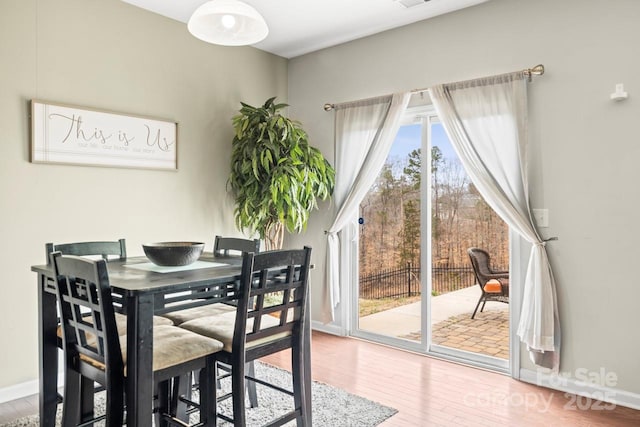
[486,121]
[364,131]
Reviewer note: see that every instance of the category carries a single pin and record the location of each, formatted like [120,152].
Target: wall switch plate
[541,217]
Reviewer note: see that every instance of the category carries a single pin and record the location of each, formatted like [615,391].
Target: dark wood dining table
[141,295]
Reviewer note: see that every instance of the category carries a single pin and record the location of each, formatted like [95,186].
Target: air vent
[411,3]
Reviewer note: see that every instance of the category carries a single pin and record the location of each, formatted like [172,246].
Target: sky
[409,138]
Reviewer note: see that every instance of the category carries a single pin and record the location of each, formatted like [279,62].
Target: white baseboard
[328,328]
[18,391]
[25,389]
[581,388]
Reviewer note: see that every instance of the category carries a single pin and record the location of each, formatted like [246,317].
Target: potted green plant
[276,176]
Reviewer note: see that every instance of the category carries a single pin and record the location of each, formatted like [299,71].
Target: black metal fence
[405,282]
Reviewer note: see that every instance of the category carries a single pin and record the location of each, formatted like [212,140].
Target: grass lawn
[372,306]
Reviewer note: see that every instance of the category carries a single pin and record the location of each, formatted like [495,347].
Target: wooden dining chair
[270,318]
[222,247]
[107,250]
[94,351]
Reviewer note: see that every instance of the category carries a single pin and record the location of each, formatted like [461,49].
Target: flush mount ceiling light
[228,23]
[411,3]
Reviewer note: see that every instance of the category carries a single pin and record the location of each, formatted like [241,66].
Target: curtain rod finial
[328,107]
[538,70]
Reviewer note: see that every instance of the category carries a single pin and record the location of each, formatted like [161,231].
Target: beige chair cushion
[121,322]
[221,327]
[171,346]
[121,325]
[181,316]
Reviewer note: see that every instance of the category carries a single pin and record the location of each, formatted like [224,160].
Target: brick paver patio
[487,334]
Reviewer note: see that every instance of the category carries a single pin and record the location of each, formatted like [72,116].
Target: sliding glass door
[389,305]
[416,288]
[465,320]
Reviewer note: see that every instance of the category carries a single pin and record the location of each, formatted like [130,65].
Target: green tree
[436,159]
[413,168]
[410,250]
[436,163]
[387,195]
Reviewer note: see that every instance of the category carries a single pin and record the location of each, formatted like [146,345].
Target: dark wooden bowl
[173,254]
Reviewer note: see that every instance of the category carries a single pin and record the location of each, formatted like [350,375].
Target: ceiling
[297,27]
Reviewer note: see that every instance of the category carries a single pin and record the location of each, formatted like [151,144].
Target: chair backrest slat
[117,249]
[225,246]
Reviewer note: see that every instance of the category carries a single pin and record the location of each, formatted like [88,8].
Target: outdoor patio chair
[486,279]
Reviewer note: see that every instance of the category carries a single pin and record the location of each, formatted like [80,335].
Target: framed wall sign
[80,136]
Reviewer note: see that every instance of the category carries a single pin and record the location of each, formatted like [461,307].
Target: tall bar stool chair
[253,331]
[107,250]
[222,247]
[95,352]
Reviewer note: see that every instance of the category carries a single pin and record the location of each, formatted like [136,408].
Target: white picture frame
[72,135]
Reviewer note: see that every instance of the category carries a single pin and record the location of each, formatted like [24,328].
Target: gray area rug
[330,406]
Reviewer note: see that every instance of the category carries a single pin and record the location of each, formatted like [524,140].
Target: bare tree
[390,235]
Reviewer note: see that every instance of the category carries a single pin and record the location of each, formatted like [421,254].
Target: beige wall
[584,147]
[107,54]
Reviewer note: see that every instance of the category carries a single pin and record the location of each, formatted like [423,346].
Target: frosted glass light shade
[228,23]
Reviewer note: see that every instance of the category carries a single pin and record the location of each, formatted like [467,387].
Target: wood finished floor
[425,391]
[432,392]
[9,411]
